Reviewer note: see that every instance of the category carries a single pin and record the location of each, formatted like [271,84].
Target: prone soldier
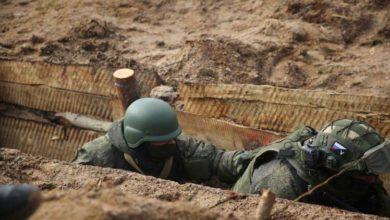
[351,151]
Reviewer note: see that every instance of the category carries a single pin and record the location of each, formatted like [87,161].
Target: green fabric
[278,176]
[162,152]
[203,160]
[377,159]
[150,119]
[288,178]
[268,153]
[193,160]
[97,152]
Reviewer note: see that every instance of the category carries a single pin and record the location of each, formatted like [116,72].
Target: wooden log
[127,89]
[266,203]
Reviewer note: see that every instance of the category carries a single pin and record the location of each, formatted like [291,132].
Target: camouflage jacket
[193,160]
[284,176]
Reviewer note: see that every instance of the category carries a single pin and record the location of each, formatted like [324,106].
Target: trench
[51,110]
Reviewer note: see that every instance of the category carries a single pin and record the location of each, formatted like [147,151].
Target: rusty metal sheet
[81,78]
[291,97]
[282,115]
[224,134]
[57,100]
[43,139]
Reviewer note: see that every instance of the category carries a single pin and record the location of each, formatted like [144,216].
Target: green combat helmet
[149,119]
[343,142]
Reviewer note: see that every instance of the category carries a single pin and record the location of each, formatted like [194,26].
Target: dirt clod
[93,29]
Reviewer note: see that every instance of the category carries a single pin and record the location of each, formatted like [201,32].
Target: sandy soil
[313,44]
[85,192]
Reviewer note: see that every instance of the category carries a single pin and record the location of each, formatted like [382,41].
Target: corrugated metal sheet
[71,77]
[58,100]
[88,79]
[293,97]
[224,134]
[42,139]
[282,110]
[89,91]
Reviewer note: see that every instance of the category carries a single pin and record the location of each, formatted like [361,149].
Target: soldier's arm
[203,160]
[97,152]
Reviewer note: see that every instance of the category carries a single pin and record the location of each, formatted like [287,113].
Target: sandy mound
[337,45]
[75,191]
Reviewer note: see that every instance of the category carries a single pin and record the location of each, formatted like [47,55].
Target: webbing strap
[165,171]
[132,163]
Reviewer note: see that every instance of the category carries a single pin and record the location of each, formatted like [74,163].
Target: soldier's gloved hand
[232,164]
[241,161]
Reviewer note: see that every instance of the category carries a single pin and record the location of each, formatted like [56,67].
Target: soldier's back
[278,176]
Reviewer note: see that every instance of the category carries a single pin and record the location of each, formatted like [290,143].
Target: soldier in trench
[149,141]
[350,150]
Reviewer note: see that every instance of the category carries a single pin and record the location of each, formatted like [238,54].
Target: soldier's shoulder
[97,152]
[99,144]
[279,176]
[184,141]
[190,146]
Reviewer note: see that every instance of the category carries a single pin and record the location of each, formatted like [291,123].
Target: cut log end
[123,73]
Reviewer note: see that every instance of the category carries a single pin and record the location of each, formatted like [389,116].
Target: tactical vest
[270,152]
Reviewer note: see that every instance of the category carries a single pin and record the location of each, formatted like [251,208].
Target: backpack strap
[165,171]
[132,163]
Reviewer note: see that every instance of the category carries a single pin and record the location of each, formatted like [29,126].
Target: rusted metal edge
[81,78]
[224,134]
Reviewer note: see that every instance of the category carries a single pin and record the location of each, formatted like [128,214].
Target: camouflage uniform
[273,167]
[193,159]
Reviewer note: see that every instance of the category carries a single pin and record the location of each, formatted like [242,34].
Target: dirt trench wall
[229,116]
[38,92]
[312,44]
[78,192]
